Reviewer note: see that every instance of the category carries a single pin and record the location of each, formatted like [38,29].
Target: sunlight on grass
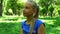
[49,21]
[51,33]
[9,21]
[19,1]
[24,0]
[58,28]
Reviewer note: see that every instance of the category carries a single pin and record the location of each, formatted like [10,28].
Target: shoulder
[39,22]
[41,29]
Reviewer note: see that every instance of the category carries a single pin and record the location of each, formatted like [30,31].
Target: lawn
[52,26]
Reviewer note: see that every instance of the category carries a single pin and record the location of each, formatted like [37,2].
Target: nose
[24,11]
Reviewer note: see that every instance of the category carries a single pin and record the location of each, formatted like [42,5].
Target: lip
[24,13]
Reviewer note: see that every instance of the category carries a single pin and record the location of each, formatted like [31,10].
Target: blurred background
[11,15]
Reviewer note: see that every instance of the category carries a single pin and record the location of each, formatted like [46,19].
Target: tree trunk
[1,7]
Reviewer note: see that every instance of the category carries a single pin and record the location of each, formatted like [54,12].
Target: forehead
[29,4]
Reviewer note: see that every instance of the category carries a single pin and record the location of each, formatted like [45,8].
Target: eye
[27,7]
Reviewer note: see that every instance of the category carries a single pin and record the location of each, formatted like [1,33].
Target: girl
[32,25]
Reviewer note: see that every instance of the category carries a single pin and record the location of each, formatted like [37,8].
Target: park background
[11,15]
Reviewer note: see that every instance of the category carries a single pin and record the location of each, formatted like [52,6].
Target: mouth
[24,13]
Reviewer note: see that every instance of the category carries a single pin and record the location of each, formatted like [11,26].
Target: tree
[15,6]
[46,4]
[1,7]
[59,12]
[51,9]
[57,2]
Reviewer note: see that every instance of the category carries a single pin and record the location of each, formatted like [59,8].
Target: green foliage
[17,5]
[59,12]
[45,5]
[57,2]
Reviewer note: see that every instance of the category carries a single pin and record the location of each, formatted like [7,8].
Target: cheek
[31,12]
[27,12]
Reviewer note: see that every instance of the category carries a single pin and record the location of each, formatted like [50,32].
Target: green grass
[52,26]
[9,28]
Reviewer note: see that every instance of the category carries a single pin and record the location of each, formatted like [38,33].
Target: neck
[29,20]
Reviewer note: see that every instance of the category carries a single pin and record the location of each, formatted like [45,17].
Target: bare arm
[41,29]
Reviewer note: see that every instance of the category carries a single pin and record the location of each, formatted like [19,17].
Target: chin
[26,15]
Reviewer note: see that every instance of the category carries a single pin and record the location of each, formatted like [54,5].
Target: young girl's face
[28,9]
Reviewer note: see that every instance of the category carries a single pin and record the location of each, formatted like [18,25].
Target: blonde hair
[36,8]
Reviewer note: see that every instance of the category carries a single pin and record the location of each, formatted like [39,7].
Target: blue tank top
[26,28]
